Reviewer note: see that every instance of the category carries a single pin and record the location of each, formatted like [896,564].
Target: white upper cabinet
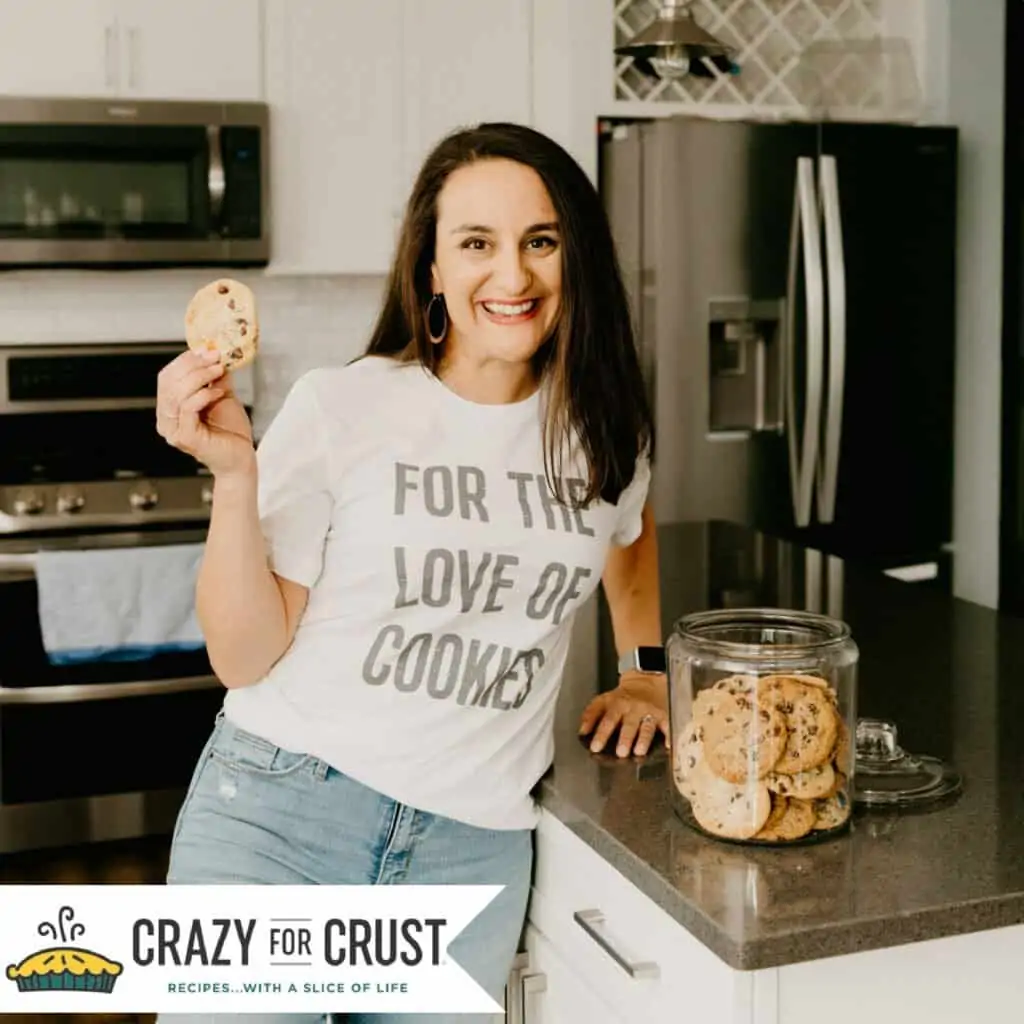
[57,48]
[359,93]
[334,86]
[189,49]
[465,61]
[573,68]
[140,49]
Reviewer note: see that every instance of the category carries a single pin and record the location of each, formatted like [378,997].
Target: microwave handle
[215,174]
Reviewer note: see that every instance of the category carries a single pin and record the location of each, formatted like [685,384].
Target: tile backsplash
[304,321]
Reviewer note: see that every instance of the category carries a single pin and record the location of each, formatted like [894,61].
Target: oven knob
[143,497]
[28,503]
[70,500]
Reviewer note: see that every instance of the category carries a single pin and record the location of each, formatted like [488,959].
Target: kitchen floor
[134,862]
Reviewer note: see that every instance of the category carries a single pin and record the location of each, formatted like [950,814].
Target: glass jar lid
[886,775]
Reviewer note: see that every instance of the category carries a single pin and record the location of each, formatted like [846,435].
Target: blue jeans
[257,814]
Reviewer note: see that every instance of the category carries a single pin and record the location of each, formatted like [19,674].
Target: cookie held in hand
[222,317]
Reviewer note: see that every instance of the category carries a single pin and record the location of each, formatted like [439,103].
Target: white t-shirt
[444,579]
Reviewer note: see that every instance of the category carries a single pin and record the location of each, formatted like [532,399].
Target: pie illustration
[64,967]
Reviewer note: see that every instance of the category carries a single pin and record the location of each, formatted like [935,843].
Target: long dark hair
[596,389]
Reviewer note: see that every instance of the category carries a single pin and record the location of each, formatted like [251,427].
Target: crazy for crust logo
[67,966]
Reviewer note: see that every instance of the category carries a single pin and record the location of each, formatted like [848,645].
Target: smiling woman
[505,230]
[389,587]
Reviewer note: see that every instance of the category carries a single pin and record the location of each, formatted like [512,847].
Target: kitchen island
[911,917]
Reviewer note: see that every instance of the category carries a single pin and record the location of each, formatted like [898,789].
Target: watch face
[651,659]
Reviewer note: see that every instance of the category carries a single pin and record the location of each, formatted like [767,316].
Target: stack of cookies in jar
[765,759]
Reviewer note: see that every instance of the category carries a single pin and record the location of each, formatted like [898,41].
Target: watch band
[643,659]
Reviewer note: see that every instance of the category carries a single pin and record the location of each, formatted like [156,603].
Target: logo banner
[237,949]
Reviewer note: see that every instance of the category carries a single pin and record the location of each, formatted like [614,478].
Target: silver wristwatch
[649,660]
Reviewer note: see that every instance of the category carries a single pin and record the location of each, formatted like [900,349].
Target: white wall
[304,321]
[964,74]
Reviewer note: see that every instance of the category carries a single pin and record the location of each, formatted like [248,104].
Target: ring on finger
[647,719]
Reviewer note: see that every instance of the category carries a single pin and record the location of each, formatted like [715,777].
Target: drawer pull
[591,922]
[534,983]
[514,989]
[530,984]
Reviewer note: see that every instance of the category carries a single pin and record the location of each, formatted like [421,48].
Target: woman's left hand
[636,707]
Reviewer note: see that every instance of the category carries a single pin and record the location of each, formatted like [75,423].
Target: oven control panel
[79,451]
[34,507]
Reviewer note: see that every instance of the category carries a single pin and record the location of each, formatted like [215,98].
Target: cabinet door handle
[133,58]
[591,922]
[109,57]
[530,984]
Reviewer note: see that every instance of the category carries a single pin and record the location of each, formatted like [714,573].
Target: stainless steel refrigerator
[1011,518]
[793,292]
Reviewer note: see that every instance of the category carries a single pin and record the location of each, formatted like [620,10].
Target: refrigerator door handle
[828,469]
[806,229]
[789,350]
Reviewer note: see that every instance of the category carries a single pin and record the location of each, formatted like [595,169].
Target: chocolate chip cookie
[831,811]
[811,722]
[735,684]
[221,317]
[843,754]
[688,755]
[791,819]
[808,680]
[807,785]
[730,811]
[744,739]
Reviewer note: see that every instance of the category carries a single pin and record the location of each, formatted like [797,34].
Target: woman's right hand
[197,412]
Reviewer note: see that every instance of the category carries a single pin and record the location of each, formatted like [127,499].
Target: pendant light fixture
[674,45]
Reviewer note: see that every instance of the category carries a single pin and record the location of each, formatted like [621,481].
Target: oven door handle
[75,693]
[22,563]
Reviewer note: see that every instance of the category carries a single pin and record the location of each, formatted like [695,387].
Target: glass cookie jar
[762,708]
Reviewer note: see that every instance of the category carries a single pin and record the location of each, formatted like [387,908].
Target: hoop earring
[437,318]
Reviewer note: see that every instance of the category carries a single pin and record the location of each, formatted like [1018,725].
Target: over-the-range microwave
[92,182]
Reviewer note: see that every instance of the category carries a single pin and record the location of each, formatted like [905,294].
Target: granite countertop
[947,672]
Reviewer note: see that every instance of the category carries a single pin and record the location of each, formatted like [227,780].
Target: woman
[389,584]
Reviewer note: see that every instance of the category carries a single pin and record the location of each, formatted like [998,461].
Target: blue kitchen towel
[118,604]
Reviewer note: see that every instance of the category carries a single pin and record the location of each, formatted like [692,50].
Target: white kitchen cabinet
[465,61]
[57,48]
[333,77]
[359,93]
[138,49]
[549,991]
[630,955]
[189,49]
[643,965]
[573,73]
[952,980]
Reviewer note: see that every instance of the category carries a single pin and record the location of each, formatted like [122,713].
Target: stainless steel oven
[150,183]
[94,749]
